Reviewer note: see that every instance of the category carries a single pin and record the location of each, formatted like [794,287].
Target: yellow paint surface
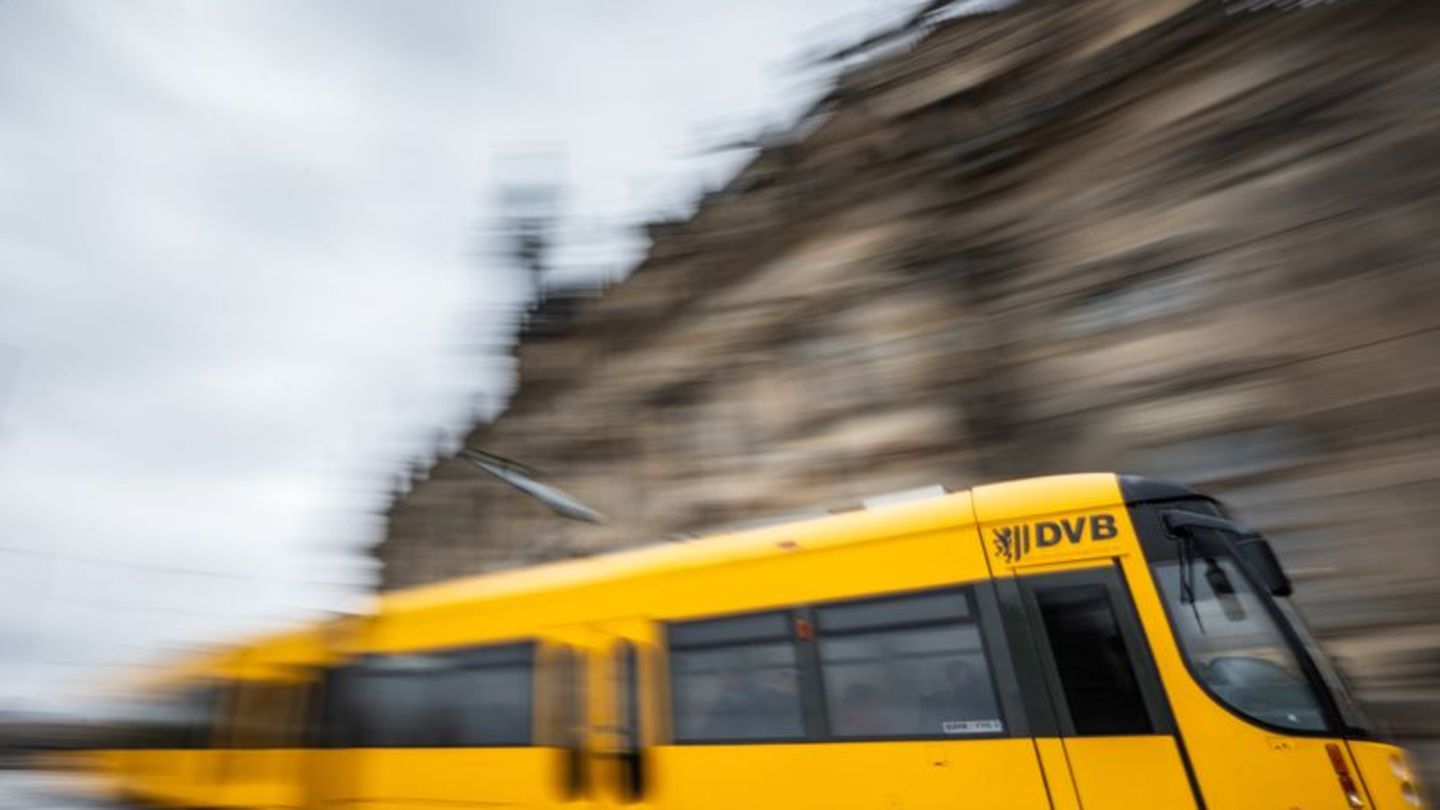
[590,605]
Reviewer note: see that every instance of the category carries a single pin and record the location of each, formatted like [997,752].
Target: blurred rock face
[1173,238]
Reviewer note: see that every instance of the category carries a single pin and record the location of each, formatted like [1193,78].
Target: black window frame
[983,611]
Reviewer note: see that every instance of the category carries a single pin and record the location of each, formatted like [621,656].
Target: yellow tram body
[1084,641]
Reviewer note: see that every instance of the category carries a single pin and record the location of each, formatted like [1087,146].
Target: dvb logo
[1014,542]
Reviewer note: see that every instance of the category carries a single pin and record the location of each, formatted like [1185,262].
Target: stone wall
[1157,236]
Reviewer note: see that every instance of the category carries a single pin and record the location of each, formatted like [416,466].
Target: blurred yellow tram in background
[1085,641]
[223,729]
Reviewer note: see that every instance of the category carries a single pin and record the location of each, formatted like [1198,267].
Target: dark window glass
[733,690]
[1095,669]
[431,701]
[757,627]
[925,675]
[1235,645]
[484,706]
[569,719]
[507,655]
[945,606]
[333,721]
[146,728]
[627,689]
[265,714]
[200,707]
[312,709]
[182,719]
[627,714]
[570,714]
[394,709]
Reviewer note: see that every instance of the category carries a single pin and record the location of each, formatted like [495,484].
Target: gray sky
[243,273]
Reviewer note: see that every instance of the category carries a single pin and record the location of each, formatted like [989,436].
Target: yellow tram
[1085,641]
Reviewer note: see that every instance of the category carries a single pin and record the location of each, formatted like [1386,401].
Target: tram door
[1118,739]
[622,712]
[563,718]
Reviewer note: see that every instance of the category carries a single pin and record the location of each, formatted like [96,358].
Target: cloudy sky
[245,273]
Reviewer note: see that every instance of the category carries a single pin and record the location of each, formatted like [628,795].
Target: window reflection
[1235,646]
[747,691]
[917,682]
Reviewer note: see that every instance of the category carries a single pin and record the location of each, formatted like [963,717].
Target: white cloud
[240,246]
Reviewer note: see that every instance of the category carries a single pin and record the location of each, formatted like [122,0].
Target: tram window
[264,714]
[343,714]
[1096,673]
[567,723]
[333,719]
[932,607]
[179,720]
[627,692]
[486,706]
[164,726]
[1236,647]
[908,667]
[469,698]
[628,721]
[194,721]
[730,630]
[735,680]
[393,710]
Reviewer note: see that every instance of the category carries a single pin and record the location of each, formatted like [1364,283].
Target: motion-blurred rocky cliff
[1187,238]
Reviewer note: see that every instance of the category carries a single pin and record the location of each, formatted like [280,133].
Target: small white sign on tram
[971,726]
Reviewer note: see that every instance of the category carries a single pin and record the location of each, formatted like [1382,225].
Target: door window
[627,693]
[629,757]
[1092,660]
[568,724]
